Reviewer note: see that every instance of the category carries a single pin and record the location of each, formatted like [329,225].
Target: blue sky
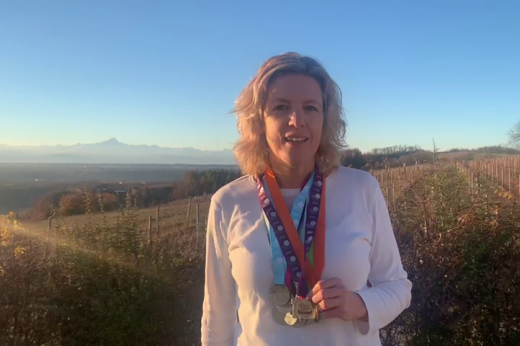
[168,72]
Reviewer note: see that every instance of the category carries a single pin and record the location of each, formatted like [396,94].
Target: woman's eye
[311,108]
[281,108]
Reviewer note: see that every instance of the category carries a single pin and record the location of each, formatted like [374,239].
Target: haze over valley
[113,151]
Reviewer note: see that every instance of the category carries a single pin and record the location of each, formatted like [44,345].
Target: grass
[105,283]
[171,218]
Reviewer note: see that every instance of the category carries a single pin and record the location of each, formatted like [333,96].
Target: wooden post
[198,216]
[188,213]
[150,228]
[393,190]
[471,190]
[477,181]
[509,178]
[157,220]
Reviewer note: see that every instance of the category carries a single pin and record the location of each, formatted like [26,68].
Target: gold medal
[303,309]
[293,321]
[290,319]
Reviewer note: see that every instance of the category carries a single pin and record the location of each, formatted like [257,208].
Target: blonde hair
[251,148]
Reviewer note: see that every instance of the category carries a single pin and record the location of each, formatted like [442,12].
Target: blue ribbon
[298,215]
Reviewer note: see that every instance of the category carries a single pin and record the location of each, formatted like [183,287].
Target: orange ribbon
[311,272]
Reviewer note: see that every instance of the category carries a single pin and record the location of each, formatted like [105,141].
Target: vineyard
[117,279]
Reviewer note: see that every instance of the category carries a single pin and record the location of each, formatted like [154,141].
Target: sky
[168,72]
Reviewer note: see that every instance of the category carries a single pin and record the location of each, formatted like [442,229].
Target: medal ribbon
[294,250]
[280,271]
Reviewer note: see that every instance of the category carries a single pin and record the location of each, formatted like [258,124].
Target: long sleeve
[390,293]
[219,317]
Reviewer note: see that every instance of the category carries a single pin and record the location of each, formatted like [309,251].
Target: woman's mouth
[295,139]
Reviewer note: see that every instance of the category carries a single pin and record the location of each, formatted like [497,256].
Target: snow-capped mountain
[113,151]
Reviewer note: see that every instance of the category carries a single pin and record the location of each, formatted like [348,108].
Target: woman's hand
[335,301]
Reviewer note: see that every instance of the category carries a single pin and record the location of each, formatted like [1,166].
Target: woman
[292,245]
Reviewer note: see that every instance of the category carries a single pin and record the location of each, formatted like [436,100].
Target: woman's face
[294,119]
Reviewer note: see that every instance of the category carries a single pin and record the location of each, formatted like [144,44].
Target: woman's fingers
[330,303]
[324,284]
[327,293]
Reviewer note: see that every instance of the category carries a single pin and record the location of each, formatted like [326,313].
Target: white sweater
[360,245]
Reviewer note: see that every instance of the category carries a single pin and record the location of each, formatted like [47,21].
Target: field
[112,279]
[173,216]
[22,185]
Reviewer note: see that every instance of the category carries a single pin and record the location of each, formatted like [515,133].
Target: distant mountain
[113,151]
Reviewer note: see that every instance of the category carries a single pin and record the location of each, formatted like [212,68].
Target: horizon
[169,74]
[114,140]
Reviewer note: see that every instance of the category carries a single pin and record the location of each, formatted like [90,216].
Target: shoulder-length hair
[251,148]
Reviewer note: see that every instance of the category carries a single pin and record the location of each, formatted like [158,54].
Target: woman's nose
[296,119]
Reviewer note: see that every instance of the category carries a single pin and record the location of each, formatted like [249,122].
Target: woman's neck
[291,177]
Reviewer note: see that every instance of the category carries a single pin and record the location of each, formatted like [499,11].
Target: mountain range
[115,152]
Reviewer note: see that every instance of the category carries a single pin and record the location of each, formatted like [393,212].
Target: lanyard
[283,225]
[298,216]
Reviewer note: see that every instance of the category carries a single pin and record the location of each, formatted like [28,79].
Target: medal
[290,319]
[294,322]
[297,242]
[281,295]
[303,309]
[317,317]
[303,270]
[279,317]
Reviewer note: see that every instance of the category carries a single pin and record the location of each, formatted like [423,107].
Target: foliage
[110,284]
[397,156]
[385,157]
[99,284]
[461,253]
[70,201]
[74,203]
[514,135]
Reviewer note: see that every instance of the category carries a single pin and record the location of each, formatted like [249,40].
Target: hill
[410,155]
[114,152]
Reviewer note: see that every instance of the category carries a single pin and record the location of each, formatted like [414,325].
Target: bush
[100,284]
[72,204]
[462,255]
[107,284]
[109,202]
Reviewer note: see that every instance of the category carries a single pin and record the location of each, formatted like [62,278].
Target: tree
[72,204]
[110,201]
[514,135]
[353,158]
